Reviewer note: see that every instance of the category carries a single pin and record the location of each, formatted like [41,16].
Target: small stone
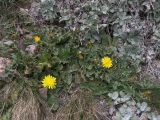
[43,93]
[111,110]
[31,49]
[24,11]
[9,42]
[34,10]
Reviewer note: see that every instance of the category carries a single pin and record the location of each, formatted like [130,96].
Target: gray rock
[9,42]
[31,49]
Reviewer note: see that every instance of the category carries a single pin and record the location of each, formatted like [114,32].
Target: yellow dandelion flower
[37,39]
[49,82]
[106,62]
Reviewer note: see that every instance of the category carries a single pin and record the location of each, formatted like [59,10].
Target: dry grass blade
[29,108]
[4,95]
[81,106]
[78,107]
[101,111]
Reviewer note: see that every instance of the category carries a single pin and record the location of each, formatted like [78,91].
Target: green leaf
[96,88]
[69,79]
[6,116]
[53,102]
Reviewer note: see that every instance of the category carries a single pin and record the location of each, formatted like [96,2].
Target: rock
[112,110]
[31,49]
[43,93]
[34,10]
[6,42]
[9,42]
[24,11]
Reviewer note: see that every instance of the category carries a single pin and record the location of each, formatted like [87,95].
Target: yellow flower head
[37,39]
[49,82]
[106,62]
